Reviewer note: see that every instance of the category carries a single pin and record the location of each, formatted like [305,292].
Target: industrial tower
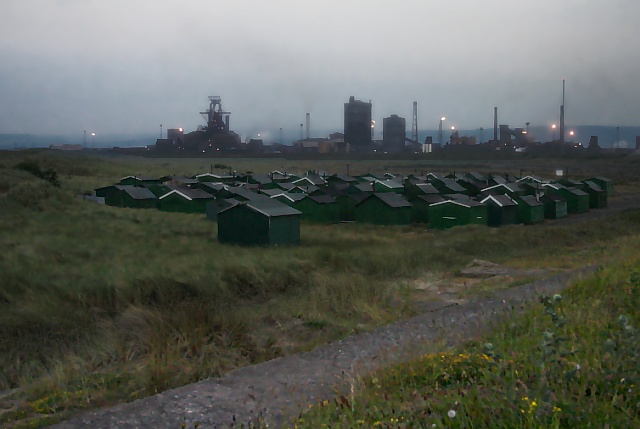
[414,126]
[214,116]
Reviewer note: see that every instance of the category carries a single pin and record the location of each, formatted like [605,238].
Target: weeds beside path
[275,391]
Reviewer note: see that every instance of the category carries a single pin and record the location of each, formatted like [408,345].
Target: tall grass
[100,305]
[571,361]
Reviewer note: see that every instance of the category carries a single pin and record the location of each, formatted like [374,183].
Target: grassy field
[571,361]
[100,305]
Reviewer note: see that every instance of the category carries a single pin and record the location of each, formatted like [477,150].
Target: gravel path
[280,389]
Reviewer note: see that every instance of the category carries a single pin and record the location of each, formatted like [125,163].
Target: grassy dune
[100,305]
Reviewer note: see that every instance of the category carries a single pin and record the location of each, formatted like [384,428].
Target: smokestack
[414,125]
[226,121]
[562,115]
[308,120]
[495,124]
[562,124]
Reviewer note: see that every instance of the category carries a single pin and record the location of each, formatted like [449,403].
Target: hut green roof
[271,208]
[260,222]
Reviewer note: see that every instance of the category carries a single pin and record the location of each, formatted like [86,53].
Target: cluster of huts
[266,209]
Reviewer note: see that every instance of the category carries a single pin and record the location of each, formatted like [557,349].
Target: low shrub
[50,175]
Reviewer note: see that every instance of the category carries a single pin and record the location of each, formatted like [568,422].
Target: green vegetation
[572,361]
[100,305]
[50,175]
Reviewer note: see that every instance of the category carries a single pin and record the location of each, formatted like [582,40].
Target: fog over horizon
[125,67]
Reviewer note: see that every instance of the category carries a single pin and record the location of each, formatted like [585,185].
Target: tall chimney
[308,120]
[495,125]
[562,115]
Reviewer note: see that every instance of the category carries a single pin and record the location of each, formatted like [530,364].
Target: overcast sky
[128,66]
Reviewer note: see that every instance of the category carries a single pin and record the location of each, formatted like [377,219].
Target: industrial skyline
[127,67]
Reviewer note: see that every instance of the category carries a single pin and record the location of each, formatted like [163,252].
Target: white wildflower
[451,413]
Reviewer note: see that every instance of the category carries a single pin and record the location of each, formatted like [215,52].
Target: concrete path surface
[278,390]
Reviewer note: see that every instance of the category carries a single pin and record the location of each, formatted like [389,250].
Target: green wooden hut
[185,200]
[472,187]
[413,188]
[341,179]
[259,223]
[217,189]
[270,192]
[361,187]
[604,183]
[577,200]
[317,208]
[570,183]
[530,209]
[496,180]
[597,195]
[531,188]
[388,185]
[289,198]
[180,181]
[448,186]
[450,213]
[242,193]
[310,180]
[135,197]
[279,176]
[386,208]
[555,206]
[421,204]
[531,179]
[215,177]
[158,189]
[474,175]
[512,190]
[216,206]
[501,210]
[141,180]
[367,178]
[264,180]
[286,186]
[347,203]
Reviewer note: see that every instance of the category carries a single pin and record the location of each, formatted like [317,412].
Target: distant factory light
[180,129]
[93,134]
